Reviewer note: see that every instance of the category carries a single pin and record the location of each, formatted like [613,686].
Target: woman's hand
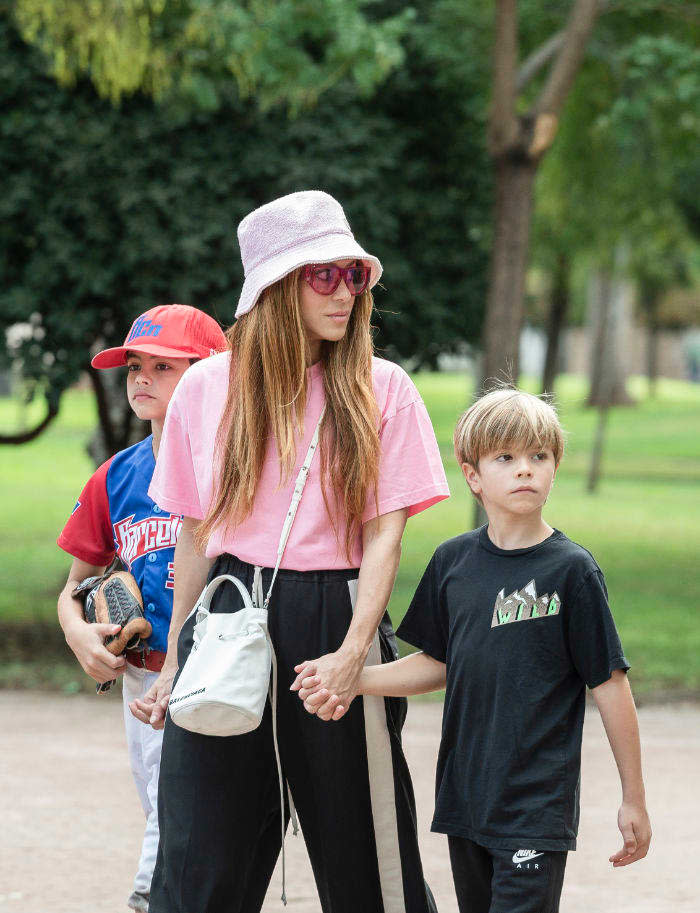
[328,685]
[191,570]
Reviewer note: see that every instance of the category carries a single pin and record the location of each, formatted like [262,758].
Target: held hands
[152,709]
[87,642]
[633,821]
[328,685]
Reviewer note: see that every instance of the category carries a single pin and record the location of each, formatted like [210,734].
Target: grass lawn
[643,525]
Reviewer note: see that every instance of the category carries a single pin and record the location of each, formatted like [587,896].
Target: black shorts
[506,881]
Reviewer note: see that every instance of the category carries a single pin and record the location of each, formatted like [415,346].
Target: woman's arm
[616,706]
[338,673]
[87,640]
[190,571]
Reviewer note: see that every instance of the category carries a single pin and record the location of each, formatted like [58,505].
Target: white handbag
[224,683]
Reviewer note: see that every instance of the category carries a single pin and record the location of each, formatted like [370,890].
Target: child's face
[513,480]
[150,382]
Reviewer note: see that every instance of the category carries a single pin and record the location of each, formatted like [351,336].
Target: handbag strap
[257,598]
[257,594]
[293,506]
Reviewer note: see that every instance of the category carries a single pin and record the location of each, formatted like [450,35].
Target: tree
[279,52]
[610,308]
[559,308]
[526,110]
[108,211]
[518,141]
[613,175]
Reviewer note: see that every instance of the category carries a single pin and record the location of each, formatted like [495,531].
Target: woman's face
[326,316]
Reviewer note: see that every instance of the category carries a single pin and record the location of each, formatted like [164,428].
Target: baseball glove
[115,598]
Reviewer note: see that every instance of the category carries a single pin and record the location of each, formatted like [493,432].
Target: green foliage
[107,211]
[631,124]
[639,526]
[621,166]
[278,50]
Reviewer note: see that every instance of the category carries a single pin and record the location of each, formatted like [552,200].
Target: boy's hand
[307,681]
[87,642]
[635,828]
[308,686]
[152,709]
[332,686]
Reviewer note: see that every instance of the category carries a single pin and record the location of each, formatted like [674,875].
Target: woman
[237,431]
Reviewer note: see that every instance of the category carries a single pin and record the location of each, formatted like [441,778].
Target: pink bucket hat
[305,227]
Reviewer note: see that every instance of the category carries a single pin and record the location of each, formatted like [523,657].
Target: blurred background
[528,173]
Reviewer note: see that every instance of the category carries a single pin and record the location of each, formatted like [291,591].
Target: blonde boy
[514,619]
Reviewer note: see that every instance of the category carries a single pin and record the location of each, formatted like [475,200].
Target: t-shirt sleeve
[88,533]
[594,643]
[174,483]
[411,473]
[426,623]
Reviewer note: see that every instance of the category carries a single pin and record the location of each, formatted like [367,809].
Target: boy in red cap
[115,517]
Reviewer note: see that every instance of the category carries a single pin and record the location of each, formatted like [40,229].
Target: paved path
[72,825]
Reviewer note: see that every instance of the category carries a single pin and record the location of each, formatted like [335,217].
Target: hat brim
[319,250]
[116,357]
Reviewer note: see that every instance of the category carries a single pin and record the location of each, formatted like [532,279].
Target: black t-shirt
[522,632]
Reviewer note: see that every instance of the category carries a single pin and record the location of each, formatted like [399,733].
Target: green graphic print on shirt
[522,605]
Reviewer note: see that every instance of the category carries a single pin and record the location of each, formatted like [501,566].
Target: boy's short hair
[504,418]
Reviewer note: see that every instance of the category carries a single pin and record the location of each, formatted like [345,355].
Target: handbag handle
[206,597]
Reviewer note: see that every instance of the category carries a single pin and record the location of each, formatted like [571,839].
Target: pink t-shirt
[411,473]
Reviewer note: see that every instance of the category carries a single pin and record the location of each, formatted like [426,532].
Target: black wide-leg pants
[218,801]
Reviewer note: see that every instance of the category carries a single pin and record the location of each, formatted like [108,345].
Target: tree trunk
[117,428]
[602,377]
[598,448]
[609,299]
[609,305]
[649,297]
[24,436]
[517,142]
[652,356]
[598,311]
[558,309]
[515,176]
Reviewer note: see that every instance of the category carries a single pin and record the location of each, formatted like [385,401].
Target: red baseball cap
[170,330]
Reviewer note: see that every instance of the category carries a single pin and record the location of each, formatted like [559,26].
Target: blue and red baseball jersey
[114,515]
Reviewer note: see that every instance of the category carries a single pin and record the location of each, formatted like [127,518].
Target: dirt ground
[72,823]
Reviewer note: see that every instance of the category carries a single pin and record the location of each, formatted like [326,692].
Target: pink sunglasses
[324,278]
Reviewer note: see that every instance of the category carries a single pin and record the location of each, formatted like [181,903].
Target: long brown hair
[267,395]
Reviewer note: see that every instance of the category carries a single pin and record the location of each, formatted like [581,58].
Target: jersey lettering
[134,540]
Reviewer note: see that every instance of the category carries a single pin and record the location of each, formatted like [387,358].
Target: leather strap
[152,660]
